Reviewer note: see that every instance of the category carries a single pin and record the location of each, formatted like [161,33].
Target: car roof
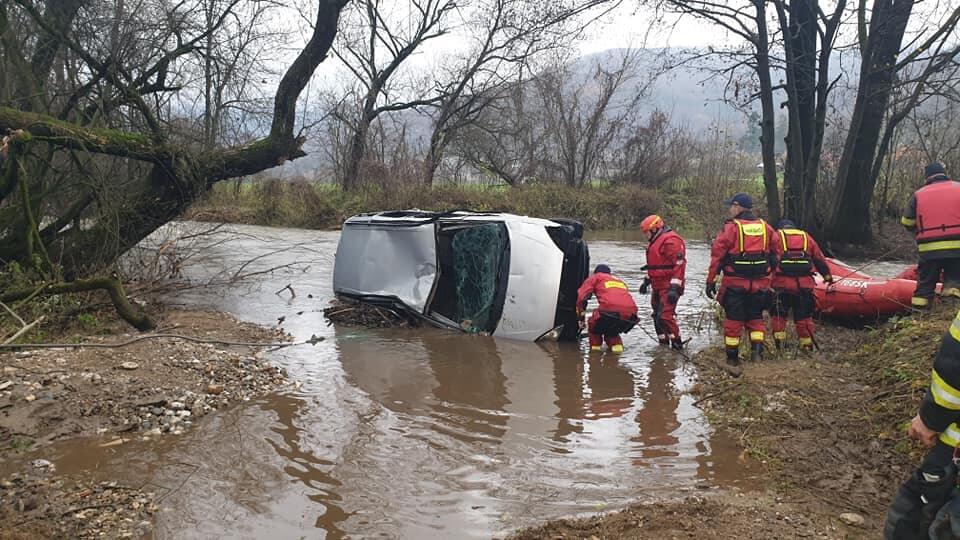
[416,216]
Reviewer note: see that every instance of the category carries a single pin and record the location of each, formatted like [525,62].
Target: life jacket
[796,260]
[938,216]
[659,268]
[750,256]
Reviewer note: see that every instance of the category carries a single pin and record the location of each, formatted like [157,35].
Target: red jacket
[794,245]
[666,260]
[743,234]
[611,292]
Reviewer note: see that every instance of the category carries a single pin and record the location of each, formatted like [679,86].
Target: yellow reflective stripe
[938,245]
[908,222]
[783,238]
[951,436]
[919,302]
[806,341]
[779,335]
[952,291]
[944,395]
[955,327]
[756,335]
[739,233]
[731,341]
[614,285]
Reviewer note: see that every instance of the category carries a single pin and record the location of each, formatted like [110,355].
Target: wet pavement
[422,433]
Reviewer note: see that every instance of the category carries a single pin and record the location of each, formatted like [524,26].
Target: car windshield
[474,261]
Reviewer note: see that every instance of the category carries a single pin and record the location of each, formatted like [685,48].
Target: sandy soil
[150,389]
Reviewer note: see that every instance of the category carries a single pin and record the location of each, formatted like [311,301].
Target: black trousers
[929,274]
[802,303]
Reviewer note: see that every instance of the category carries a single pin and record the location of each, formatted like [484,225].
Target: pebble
[130,365]
[29,397]
[177,405]
[852,519]
[156,411]
[41,464]
[215,389]
[6,384]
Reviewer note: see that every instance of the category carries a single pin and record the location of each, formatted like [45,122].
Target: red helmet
[651,223]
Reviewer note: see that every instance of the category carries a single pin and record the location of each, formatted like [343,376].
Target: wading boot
[663,340]
[756,352]
[733,356]
[676,344]
[778,343]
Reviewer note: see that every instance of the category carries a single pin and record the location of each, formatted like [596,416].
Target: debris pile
[368,315]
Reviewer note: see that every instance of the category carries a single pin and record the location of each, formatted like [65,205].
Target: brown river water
[423,433]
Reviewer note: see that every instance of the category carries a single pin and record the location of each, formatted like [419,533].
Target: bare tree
[79,105]
[374,46]
[506,35]
[506,138]
[885,65]
[583,116]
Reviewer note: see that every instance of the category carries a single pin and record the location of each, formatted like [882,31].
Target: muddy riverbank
[108,398]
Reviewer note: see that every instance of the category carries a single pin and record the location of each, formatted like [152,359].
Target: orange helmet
[651,223]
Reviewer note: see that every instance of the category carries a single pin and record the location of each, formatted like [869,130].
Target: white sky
[631,26]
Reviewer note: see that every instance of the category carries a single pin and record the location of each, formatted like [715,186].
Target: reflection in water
[657,418]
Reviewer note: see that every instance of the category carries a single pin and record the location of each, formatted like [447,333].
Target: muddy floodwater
[422,433]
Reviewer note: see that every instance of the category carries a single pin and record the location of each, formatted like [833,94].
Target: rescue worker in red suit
[933,213]
[616,313]
[743,251]
[666,267]
[798,255]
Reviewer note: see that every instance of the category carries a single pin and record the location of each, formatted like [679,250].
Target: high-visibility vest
[938,216]
[944,390]
[796,260]
[750,256]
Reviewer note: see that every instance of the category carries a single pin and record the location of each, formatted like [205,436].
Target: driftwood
[137,318]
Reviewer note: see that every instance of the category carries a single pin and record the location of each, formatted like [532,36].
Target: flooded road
[423,433]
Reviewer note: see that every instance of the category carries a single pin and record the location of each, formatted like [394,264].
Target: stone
[156,411]
[177,405]
[852,519]
[6,384]
[41,463]
[215,389]
[184,413]
[29,397]
[130,365]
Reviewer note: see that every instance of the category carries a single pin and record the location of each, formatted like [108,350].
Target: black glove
[645,286]
[644,268]
[673,295]
[711,290]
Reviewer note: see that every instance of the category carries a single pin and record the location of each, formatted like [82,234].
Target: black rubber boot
[756,352]
[733,356]
[778,343]
[676,344]
[664,341]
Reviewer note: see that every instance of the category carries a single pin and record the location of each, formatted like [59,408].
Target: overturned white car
[507,275]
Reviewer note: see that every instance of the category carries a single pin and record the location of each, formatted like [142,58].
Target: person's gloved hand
[711,290]
[645,286]
[673,295]
[828,278]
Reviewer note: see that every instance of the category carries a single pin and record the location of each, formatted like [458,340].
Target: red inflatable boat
[855,294]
